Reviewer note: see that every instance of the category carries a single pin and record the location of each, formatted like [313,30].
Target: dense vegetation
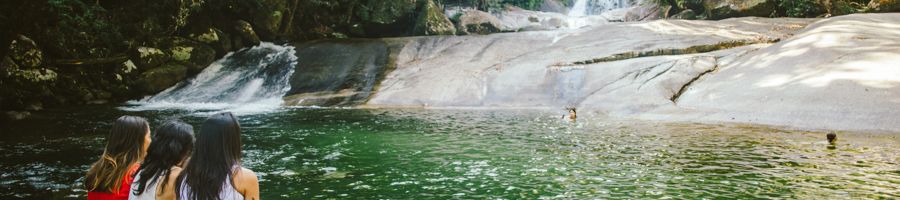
[785,8]
[70,52]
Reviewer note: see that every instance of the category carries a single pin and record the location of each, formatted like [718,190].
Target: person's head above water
[125,145]
[171,144]
[572,113]
[832,137]
[217,153]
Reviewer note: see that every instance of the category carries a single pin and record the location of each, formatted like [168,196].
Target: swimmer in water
[572,114]
[832,138]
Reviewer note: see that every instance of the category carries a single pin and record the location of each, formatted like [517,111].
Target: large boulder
[25,53]
[162,77]
[386,17]
[244,35]
[267,18]
[644,12]
[721,9]
[214,38]
[478,22]
[148,57]
[824,77]
[432,21]
[195,55]
[884,5]
[685,14]
[518,19]
[7,66]
[556,6]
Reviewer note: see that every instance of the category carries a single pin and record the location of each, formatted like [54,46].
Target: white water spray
[247,81]
[579,9]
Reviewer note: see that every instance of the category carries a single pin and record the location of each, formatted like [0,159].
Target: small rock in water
[17,115]
[335,175]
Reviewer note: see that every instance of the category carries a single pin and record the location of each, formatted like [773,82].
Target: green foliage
[81,30]
[494,5]
[800,8]
[456,17]
[696,5]
[845,7]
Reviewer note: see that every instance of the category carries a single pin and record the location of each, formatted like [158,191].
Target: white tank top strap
[228,192]
[149,190]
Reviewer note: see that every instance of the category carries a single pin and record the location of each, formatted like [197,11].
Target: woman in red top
[110,177]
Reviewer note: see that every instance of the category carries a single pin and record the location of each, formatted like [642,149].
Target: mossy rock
[884,5]
[432,21]
[721,9]
[686,14]
[248,37]
[162,77]
[148,57]
[478,22]
[25,53]
[385,11]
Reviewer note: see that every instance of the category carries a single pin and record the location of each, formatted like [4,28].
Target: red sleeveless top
[122,194]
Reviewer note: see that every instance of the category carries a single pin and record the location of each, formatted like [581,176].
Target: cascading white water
[579,9]
[579,14]
[249,80]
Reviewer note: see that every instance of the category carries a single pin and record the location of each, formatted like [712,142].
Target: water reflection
[403,154]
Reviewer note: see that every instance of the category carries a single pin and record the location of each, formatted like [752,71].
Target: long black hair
[171,145]
[124,147]
[217,153]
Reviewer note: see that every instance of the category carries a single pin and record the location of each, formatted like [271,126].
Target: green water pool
[302,153]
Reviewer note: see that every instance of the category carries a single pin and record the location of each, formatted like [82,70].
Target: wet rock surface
[838,73]
[748,70]
[337,73]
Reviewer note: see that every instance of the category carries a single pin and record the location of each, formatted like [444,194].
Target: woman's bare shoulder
[245,176]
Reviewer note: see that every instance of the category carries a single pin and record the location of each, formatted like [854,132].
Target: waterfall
[593,7]
[248,80]
[579,9]
[580,13]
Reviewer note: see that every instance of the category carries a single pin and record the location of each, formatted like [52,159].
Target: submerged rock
[16,115]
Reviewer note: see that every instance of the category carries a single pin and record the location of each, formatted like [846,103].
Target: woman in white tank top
[214,171]
[155,178]
[228,192]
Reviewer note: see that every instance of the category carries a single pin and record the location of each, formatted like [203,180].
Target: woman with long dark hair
[170,147]
[110,177]
[214,171]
